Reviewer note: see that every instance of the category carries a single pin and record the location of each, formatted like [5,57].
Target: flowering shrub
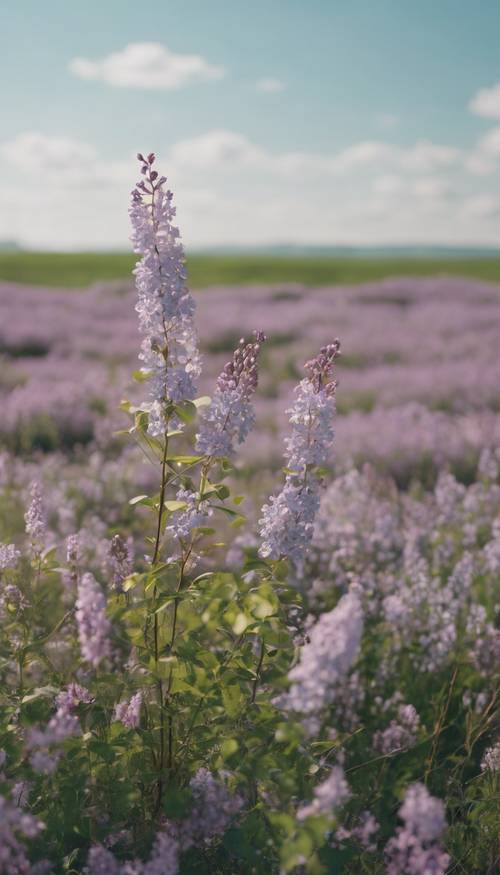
[183,691]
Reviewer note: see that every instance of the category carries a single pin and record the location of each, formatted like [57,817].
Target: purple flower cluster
[416,847]
[93,625]
[129,713]
[213,810]
[169,349]
[287,521]
[9,556]
[14,822]
[332,794]
[230,416]
[326,657]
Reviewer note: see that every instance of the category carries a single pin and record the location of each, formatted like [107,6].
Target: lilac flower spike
[93,624]
[230,416]
[328,796]
[287,521]
[129,713]
[34,519]
[326,658]
[416,847]
[169,350]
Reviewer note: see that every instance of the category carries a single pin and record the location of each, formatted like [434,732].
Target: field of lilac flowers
[249,611]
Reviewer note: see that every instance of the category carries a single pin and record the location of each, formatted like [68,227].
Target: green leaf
[141,376]
[174,505]
[47,692]
[229,747]
[130,582]
[185,460]
[202,401]
[228,511]
[186,411]
[140,499]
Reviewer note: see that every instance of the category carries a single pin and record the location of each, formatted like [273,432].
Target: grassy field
[74,270]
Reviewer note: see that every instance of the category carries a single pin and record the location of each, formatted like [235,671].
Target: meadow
[80,269]
[249,583]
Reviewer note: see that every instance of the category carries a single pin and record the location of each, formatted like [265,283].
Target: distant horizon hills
[300,251]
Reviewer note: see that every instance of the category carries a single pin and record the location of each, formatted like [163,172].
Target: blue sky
[328,121]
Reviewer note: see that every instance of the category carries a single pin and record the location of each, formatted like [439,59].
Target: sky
[308,122]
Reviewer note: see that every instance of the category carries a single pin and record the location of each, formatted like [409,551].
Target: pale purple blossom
[491,759]
[196,512]
[230,415]
[93,625]
[120,560]
[415,849]
[401,734]
[326,658]
[14,823]
[34,518]
[72,696]
[129,713]
[9,556]
[332,794]
[100,861]
[169,351]
[287,522]
[286,526]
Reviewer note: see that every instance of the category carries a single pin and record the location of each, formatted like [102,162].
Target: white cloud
[231,190]
[34,152]
[217,149]
[490,143]
[365,152]
[270,85]
[426,189]
[147,65]
[425,156]
[486,102]
[422,156]
[224,149]
[481,206]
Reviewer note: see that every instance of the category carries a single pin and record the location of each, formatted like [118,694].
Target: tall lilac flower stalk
[231,417]
[226,424]
[93,624]
[287,521]
[169,349]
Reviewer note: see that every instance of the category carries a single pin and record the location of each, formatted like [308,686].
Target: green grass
[82,268]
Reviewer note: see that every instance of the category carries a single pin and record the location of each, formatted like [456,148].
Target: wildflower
[415,848]
[230,416]
[400,734]
[182,522]
[100,861]
[288,521]
[93,624]
[213,810]
[491,759]
[328,796]
[326,658]
[286,525]
[73,696]
[44,763]
[14,822]
[129,713]
[120,560]
[169,351]
[9,556]
[35,519]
